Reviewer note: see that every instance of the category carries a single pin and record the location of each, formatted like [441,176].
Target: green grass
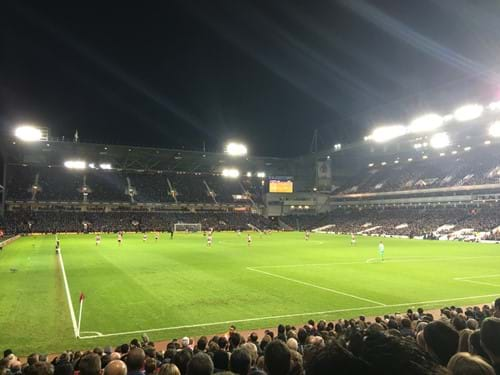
[174,283]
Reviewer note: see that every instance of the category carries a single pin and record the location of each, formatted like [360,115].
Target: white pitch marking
[68,295]
[478,282]
[409,259]
[316,286]
[476,277]
[409,304]
[96,333]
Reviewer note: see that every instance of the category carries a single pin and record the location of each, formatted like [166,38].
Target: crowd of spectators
[26,183]
[473,168]
[77,221]
[401,220]
[458,341]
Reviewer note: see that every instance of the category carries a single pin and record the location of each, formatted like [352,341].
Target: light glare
[105,166]
[28,133]
[494,129]
[75,164]
[425,123]
[468,112]
[440,140]
[231,173]
[236,149]
[387,133]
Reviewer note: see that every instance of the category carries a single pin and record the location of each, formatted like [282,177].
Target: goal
[189,227]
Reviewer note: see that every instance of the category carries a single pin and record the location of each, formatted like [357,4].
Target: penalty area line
[226,322]
[317,286]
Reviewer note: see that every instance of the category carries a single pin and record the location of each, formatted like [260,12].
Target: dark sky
[177,73]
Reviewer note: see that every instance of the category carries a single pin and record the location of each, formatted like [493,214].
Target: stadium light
[487,142]
[468,112]
[410,160]
[454,152]
[370,165]
[249,174]
[494,129]
[28,133]
[231,173]
[440,140]
[468,148]
[383,163]
[236,149]
[425,123]
[75,164]
[425,157]
[494,106]
[261,174]
[387,133]
[105,166]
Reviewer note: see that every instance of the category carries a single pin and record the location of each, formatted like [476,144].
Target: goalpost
[189,227]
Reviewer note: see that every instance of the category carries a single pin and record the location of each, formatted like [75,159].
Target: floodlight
[487,142]
[337,147]
[468,112]
[440,140]
[105,166]
[424,157]
[454,152]
[383,163]
[468,148]
[249,174]
[370,165]
[231,173]
[261,174]
[442,154]
[386,133]
[92,165]
[410,159]
[28,133]
[425,123]
[75,164]
[396,161]
[494,129]
[494,106]
[447,118]
[236,149]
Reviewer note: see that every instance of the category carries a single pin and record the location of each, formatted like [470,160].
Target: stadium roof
[55,153]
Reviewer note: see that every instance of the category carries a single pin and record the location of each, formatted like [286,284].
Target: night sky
[180,73]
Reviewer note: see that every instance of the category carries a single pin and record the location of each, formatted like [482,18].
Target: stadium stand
[479,167]
[402,221]
[47,222]
[458,341]
[62,185]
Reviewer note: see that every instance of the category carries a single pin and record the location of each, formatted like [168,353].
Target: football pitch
[171,288]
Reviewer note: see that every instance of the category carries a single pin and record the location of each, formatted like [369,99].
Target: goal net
[187,227]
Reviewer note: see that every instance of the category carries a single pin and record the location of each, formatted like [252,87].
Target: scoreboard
[281,184]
